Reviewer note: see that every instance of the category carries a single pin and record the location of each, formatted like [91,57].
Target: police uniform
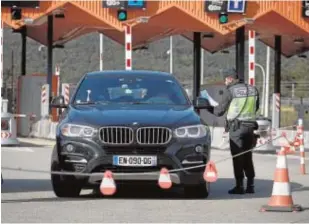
[240,101]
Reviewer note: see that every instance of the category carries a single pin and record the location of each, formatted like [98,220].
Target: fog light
[69,148]
[198,149]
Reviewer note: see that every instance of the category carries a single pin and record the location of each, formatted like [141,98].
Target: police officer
[240,101]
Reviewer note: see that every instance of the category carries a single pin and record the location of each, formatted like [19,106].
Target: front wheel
[65,186]
[197,191]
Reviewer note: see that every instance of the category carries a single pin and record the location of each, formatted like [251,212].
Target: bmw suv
[129,122]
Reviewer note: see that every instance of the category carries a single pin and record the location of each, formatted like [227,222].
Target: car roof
[129,72]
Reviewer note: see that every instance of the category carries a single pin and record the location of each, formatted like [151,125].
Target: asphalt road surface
[28,197]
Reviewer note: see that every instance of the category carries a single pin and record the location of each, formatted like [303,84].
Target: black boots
[250,186]
[239,188]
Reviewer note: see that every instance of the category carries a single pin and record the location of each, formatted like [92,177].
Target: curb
[36,141]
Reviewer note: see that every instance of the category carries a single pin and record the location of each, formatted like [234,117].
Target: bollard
[264,143]
[300,132]
[8,129]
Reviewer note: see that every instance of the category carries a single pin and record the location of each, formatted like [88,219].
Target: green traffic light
[122,15]
[223,19]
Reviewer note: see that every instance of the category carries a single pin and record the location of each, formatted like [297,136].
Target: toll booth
[29,100]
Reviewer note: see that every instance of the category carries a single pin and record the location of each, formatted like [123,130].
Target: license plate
[135,160]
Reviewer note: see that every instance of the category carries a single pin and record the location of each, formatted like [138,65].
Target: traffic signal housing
[122,15]
[223,17]
[16,13]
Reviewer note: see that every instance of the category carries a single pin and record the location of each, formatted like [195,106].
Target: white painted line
[17,149]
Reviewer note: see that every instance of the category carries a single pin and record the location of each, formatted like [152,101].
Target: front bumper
[92,157]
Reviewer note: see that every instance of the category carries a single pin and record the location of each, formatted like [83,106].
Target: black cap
[231,72]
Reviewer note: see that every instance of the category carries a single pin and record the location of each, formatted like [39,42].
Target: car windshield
[130,89]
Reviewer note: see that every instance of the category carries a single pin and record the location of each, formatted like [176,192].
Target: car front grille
[153,135]
[116,135]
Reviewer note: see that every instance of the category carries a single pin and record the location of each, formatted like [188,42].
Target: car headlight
[194,131]
[74,130]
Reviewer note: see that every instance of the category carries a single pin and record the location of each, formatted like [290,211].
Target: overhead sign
[21,4]
[237,6]
[114,4]
[215,6]
[305,9]
[136,3]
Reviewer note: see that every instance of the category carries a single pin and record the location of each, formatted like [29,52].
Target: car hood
[164,115]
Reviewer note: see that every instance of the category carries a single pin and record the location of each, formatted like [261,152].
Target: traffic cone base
[281,199]
[292,208]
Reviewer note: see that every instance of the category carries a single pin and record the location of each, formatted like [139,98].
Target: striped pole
[251,55]
[45,101]
[57,73]
[276,111]
[300,131]
[128,47]
[66,92]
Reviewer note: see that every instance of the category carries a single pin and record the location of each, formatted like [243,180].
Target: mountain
[82,55]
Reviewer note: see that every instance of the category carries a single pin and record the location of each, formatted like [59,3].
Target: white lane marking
[16,149]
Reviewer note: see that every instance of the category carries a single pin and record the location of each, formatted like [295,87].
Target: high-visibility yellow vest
[243,104]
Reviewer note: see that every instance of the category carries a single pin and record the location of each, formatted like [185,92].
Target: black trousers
[242,139]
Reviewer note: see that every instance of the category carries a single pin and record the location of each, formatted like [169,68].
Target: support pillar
[277,82]
[50,54]
[196,65]
[23,50]
[240,53]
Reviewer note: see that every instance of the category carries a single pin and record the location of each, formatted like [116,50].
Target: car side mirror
[58,102]
[201,103]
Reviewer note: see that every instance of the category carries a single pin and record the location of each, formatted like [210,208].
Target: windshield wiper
[85,103]
[92,102]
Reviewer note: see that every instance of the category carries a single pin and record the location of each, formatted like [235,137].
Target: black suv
[129,122]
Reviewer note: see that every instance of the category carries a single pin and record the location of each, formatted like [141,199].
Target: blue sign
[136,4]
[237,6]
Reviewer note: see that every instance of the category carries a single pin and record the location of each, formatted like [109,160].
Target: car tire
[64,186]
[197,191]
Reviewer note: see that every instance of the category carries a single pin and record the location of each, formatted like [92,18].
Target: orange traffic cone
[108,186]
[290,149]
[164,181]
[287,145]
[281,199]
[297,141]
[210,173]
